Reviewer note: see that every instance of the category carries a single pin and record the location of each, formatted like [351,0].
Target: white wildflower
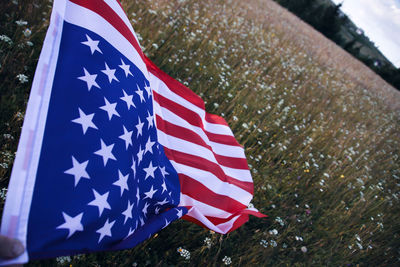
[22,78]
[184,253]
[227,260]
[21,22]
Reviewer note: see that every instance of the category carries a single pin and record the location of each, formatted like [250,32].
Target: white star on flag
[137,196]
[125,67]
[92,44]
[150,170]
[110,73]
[90,79]
[105,152]
[163,171]
[164,187]
[144,210]
[150,120]
[110,108]
[78,170]
[162,202]
[133,167]
[150,193]
[105,230]
[149,146]
[127,137]
[139,127]
[72,224]
[122,182]
[148,90]
[100,201]
[140,93]
[131,231]
[85,120]
[128,212]
[140,154]
[128,100]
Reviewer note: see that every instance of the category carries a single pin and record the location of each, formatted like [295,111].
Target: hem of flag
[16,210]
[226,225]
[156,223]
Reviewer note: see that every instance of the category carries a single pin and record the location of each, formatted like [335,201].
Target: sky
[380,21]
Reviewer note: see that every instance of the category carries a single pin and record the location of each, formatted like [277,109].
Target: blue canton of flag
[111,186]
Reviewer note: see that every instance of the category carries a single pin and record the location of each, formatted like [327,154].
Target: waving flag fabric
[112,149]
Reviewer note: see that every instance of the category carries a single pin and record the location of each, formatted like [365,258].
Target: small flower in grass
[27,32]
[22,78]
[207,242]
[62,260]
[184,253]
[3,193]
[21,22]
[273,232]
[303,249]
[264,243]
[6,39]
[273,243]
[299,238]
[227,260]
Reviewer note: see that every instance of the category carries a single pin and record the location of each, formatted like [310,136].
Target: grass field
[321,132]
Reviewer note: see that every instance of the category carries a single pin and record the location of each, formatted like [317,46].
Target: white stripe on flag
[214,184]
[200,151]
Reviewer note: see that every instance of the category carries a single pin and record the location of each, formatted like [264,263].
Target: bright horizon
[380,21]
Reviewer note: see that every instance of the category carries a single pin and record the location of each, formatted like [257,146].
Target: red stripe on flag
[194,119]
[212,118]
[223,139]
[239,222]
[199,192]
[107,13]
[188,135]
[204,164]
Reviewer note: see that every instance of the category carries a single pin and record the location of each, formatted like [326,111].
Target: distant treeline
[327,18]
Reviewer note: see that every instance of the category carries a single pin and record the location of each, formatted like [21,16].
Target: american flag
[113,149]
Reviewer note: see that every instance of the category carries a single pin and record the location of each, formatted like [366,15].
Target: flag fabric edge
[16,210]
